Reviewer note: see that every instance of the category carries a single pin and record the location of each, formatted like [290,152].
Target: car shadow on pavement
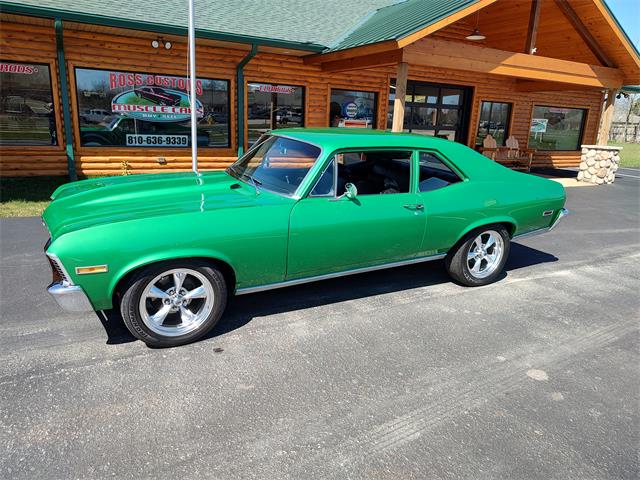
[243,309]
[113,325]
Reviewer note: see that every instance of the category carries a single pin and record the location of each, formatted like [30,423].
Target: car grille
[57,272]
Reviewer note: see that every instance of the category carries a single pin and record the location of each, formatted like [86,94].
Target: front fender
[163,256]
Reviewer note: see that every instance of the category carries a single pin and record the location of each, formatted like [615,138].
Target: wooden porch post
[607,117]
[401,93]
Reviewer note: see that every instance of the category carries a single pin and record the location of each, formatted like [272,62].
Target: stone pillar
[598,164]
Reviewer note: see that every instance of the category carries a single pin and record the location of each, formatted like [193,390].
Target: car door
[383,223]
[449,202]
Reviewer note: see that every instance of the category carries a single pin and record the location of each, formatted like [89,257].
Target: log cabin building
[99,87]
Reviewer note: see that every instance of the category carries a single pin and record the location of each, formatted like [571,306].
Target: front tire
[479,258]
[173,303]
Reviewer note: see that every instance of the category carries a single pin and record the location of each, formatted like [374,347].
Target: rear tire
[173,303]
[479,258]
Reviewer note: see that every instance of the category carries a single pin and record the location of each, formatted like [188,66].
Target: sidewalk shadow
[243,309]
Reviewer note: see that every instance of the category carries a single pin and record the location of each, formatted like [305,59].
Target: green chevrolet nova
[301,205]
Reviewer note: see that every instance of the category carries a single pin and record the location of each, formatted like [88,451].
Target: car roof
[332,138]
[473,164]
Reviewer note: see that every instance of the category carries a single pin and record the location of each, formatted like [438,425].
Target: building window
[494,121]
[27,116]
[555,128]
[273,106]
[126,109]
[352,109]
[433,109]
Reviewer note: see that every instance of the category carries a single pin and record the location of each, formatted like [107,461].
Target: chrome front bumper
[70,297]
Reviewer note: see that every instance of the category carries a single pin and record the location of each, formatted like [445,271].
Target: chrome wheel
[176,302]
[485,254]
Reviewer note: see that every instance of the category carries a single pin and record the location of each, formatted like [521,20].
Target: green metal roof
[399,20]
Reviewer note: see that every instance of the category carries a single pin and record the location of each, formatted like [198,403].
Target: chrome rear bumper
[563,213]
[70,297]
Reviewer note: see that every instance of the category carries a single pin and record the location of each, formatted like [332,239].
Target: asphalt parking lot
[396,374]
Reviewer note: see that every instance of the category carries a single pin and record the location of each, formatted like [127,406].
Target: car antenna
[191,61]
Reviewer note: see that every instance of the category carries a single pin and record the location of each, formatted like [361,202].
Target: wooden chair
[511,155]
[489,147]
[519,158]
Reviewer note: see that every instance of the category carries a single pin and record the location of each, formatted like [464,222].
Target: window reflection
[494,121]
[27,115]
[270,107]
[556,128]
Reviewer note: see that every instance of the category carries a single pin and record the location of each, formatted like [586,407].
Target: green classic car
[301,205]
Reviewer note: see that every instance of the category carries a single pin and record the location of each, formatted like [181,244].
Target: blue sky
[627,12]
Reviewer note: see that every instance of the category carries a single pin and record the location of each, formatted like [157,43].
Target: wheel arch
[220,261]
[509,223]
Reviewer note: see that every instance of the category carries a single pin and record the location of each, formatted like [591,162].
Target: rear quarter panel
[516,199]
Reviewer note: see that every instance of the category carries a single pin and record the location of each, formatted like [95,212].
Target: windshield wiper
[253,181]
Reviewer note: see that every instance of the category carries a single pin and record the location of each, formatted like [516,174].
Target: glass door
[434,109]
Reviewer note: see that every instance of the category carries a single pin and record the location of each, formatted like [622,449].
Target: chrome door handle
[414,206]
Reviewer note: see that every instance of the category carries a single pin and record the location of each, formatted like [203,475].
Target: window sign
[556,128]
[149,110]
[352,109]
[494,121]
[272,106]
[27,116]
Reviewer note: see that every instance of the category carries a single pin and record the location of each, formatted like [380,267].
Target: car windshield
[277,164]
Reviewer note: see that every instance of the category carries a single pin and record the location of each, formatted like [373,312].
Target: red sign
[18,68]
[121,79]
[263,87]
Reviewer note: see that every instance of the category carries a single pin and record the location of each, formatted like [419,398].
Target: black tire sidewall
[458,267]
[129,304]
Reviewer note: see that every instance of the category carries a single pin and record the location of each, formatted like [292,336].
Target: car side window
[434,173]
[375,172]
[325,185]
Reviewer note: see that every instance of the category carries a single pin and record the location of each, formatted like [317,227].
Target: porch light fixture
[476,35]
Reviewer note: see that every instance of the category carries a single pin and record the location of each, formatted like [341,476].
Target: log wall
[133,52]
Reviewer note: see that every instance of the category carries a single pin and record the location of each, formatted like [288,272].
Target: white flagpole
[192,88]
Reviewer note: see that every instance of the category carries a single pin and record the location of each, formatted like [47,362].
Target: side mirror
[350,191]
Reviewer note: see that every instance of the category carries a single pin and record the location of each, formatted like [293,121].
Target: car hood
[88,203]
